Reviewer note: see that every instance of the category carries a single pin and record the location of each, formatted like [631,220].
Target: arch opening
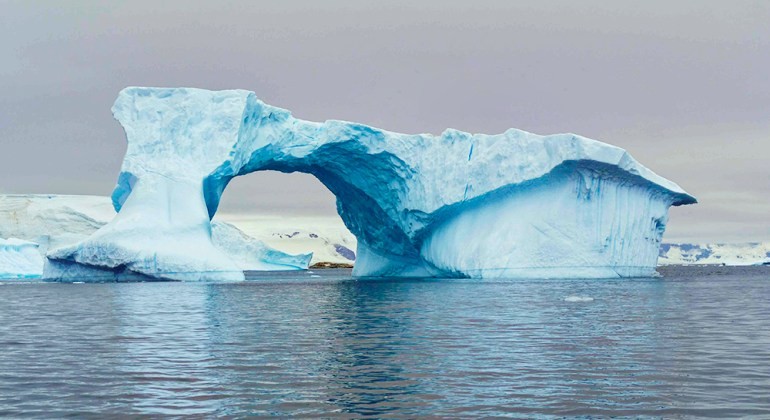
[291,212]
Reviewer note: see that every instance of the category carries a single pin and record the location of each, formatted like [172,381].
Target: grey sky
[684,86]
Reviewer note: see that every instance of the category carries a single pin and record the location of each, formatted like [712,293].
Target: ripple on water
[693,343]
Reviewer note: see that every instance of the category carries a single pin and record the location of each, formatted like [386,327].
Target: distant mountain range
[751,253]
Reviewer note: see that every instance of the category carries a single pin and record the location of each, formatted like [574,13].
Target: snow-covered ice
[20,259]
[750,253]
[59,221]
[251,254]
[52,220]
[514,204]
[325,237]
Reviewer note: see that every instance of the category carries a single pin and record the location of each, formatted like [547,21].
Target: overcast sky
[682,85]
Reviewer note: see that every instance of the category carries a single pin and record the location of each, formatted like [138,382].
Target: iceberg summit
[509,205]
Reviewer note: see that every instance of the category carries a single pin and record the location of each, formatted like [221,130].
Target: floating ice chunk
[578,299]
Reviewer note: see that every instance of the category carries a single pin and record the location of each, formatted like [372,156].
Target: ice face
[251,254]
[61,222]
[459,204]
[19,259]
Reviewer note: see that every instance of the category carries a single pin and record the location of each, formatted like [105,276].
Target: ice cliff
[56,221]
[19,259]
[456,205]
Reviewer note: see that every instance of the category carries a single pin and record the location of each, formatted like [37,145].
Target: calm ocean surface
[694,343]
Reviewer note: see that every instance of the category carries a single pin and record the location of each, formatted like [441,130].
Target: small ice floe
[78,282]
[315,275]
[578,299]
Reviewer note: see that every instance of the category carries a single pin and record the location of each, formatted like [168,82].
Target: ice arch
[509,205]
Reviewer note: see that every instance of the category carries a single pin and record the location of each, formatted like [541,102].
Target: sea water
[695,342]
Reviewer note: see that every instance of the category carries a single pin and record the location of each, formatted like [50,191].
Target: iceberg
[509,205]
[52,220]
[59,221]
[20,259]
[251,254]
